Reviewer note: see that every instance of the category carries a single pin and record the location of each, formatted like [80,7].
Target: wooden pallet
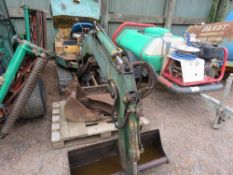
[65,133]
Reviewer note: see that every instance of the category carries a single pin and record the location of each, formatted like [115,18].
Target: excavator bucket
[77,112]
[84,107]
[103,158]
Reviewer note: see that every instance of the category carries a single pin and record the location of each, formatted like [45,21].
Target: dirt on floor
[185,122]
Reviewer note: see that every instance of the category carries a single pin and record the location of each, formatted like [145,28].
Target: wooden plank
[77,129]
[101,127]
[65,133]
[63,122]
[55,130]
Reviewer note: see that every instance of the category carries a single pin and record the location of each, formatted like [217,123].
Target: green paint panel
[156,31]
[133,40]
[101,47]
[85,9]
[138,42]
[24,48]
[27,23]
[12,69]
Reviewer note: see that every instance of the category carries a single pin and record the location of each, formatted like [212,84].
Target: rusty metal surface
[99,106]
[96,89]
[68,56]
[214,33]
[82,106]
[77,112]
[101,102]
[91,159]
[103,97]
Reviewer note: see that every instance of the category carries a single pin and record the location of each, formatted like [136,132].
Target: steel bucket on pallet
[103,158]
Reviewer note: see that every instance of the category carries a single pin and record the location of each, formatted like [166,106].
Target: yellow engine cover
[71,49]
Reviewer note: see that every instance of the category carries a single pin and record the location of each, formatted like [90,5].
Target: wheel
[36,105]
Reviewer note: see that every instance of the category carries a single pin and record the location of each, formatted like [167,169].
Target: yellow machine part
[63,35]
[71,49]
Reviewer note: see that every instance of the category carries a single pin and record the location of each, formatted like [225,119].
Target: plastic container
[148,45]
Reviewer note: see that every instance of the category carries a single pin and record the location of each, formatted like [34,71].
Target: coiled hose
[24,95]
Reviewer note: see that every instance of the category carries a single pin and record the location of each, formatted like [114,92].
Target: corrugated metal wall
[190,8]
[184,8]
[135,7]
[193,8]
[38,4]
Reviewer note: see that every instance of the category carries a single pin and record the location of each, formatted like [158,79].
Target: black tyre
[36,105]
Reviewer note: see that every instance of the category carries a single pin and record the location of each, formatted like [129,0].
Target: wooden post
[222,10]
[104,14]
[169,12]
[213,11]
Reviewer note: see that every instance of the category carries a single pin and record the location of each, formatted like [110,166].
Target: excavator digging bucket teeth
[91,159]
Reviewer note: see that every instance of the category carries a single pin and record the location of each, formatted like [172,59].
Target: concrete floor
[185,124]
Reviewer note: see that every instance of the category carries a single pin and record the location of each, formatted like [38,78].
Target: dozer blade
[77,112]
[91,159]
[103,97]
[101,102]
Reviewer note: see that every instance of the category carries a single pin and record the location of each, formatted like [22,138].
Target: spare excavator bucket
[77,112]
[103,158]
[83,107]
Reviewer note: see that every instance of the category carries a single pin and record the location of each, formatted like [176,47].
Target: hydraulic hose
[24,95]
[115,95]
[151,78]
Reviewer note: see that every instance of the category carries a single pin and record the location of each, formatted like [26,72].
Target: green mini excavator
[87,59]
